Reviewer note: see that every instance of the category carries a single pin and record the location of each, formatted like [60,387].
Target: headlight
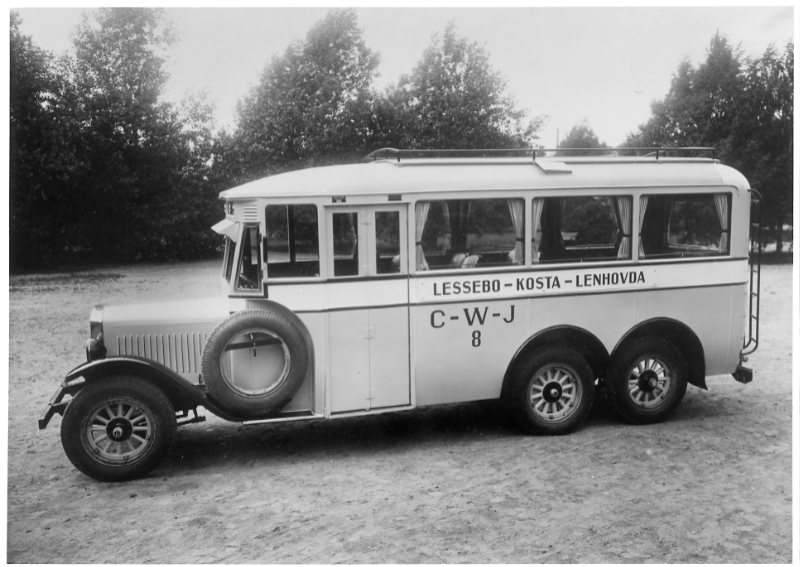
[95,349]
[96,321]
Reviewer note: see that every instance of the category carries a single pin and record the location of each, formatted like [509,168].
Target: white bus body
[414,282]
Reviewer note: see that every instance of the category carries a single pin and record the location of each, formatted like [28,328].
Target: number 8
[476,338]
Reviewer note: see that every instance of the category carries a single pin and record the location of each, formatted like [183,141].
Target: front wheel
[118,429]
[552,391]
[647,381]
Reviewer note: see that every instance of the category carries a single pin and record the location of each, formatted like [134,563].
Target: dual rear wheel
[553,389]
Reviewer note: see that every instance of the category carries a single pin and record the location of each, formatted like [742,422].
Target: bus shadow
[207,445]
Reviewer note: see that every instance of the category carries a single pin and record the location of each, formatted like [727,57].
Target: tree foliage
[44,162]
[311,104]
[453,99]
[741,107]
[102,169]
[580,136]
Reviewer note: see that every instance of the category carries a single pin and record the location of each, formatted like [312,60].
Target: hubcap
[118,431]
[650,381]
[555,392]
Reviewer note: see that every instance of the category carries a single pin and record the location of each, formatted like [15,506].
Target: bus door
[368,335]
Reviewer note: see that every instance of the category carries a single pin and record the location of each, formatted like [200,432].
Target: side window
[248,271]
[469,233]
[292,246]
[581,229]
[684,225]
[345,244]
[387,242]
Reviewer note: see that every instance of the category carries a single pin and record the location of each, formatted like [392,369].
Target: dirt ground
[458,484]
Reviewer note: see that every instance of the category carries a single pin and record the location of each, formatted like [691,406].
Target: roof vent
[553,166]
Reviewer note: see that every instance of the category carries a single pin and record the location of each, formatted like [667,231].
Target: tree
[128,135]
[311,104]
[581,136]
[190,208]
[701,104]
[100,168]
[742,108]
[43,165]
[762,140]
[453,99]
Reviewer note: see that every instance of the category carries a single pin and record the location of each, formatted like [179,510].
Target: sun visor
[226,228]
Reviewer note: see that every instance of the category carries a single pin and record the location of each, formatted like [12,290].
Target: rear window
[684,225]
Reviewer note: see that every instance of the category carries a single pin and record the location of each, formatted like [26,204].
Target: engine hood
[166,314]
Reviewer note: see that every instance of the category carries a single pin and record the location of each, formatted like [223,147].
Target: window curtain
[642,208]
[421,215]
[517,209]
[721,204]
[538,206]
[552,245]
[449,231]
[459,214]
[623,208]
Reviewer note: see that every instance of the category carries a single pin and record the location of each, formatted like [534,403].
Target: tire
[552,391]
[135,412]
[647,381]
[242,383]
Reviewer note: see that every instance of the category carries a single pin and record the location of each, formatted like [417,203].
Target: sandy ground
[458,484]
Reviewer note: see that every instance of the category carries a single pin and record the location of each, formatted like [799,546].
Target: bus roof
[415,176]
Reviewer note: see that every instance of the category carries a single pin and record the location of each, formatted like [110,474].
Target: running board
[300,416]
[392,409]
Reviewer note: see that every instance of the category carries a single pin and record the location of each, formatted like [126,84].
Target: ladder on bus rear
[754,294]
[744,374]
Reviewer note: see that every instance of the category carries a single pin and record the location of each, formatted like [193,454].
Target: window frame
[587,260]
[639,224]
[320,248]
[234,290]
[415,245]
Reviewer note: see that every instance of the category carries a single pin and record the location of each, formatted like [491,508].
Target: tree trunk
[779,235]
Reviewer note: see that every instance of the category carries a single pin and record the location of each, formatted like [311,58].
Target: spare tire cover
[254,362]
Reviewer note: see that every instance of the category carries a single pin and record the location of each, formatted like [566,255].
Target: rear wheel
[552,391]
[647,381]
[118,429]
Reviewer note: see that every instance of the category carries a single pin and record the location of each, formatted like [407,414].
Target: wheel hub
[552,392]
[119,429]
[648,381]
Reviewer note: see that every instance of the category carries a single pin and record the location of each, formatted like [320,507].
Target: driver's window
[248,272]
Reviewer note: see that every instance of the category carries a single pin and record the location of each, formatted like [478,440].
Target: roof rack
[395,154]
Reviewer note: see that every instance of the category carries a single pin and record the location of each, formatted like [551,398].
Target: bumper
[56,405]
[743,375]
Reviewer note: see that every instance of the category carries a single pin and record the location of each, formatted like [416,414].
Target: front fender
[182,393]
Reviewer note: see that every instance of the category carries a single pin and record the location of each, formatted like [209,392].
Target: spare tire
[254,362]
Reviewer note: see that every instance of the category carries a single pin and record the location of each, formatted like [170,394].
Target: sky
[603,65]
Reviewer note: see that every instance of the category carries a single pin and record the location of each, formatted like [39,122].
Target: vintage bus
[424,278]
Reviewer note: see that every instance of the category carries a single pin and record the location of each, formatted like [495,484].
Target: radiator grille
[181,352]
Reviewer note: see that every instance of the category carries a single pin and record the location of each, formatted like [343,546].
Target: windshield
[227,262]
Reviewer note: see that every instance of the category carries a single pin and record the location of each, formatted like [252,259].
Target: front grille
[181,352]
